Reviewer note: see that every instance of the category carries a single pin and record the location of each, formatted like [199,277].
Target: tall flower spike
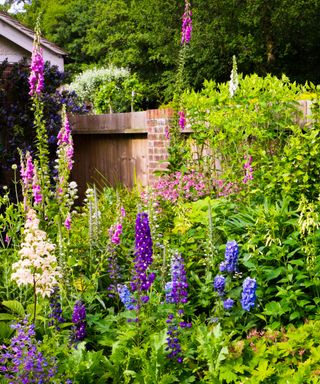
[219,284]
[234,82]
[231,257]
[143,256]
[248,297]
[79,321]
[186,24]
[176,289]
[37,265]
[36,78]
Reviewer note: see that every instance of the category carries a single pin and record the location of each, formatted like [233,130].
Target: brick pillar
[158,122]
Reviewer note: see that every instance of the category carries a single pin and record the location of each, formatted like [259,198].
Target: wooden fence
[122,148]
[119,148]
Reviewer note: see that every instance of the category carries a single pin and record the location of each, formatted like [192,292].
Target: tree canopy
[144,35]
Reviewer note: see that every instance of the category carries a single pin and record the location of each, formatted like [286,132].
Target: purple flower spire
[176,289]
[27,170]
[79,321]
[143,256]
[36,78]
[115,233]
[248,297]
[228,304]
[67,222]
[186,24]
[21,362]
[36,189]
[231,257]
[173,343]
[56,310]
[219,284]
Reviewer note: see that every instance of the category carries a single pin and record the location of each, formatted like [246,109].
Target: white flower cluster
[87,83]
[234,81]
[37,265]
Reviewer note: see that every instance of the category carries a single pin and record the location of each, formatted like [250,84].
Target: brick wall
[157,122]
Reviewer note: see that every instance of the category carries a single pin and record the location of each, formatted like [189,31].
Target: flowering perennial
[228,304]
[56,311]
[37,265]
[182,120]
[21,362]
[79,321]
[248,296]
[219,284]
[143,256]
[234,82]
[177,288]
[126,297]
[36,78]
[186,24]
[173,344]
[115,233]
[231,257]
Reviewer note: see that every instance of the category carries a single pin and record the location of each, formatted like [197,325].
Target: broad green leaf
[14,306]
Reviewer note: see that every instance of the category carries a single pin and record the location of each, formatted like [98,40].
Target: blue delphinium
[248,297]
[21,362]
[56,310]
[219,284]
[79,322]
[126,297]
[173,340]
[141,281]
[228,304]
[231,257]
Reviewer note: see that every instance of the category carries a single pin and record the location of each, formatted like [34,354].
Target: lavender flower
[79,321]
[231,257]
[219,284]
[126,297]
[186,24]
[176,289]
[113,271]
[248,297]
[56,311]
[36,78]
[143,255]
[228,304]
[21,362]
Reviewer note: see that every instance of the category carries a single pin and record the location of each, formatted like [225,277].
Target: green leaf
[14,306]
[5,330]
[6,317]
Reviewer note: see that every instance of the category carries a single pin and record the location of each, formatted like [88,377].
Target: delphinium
[79,322]
[141,280]
[177,294]
[219,285]
[248,296]
[55,309]
[38,264]
[22,362]
[231,257]
[126,297]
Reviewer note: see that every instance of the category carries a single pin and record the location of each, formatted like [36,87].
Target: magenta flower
[186,24]
[67,222]
[182,120]
[248,169]
[36,78]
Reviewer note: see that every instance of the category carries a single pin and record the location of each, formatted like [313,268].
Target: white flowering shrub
[88,82]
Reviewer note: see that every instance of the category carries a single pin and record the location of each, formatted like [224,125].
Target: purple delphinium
[231,257]
[176,289]
[228,304]
[219,284]
[56,310]
[36,78]
[79,321]
[143,256]
[186,24]
[173,344]
[21,362]
[248,297]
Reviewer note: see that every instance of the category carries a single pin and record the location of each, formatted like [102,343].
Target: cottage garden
[209,276]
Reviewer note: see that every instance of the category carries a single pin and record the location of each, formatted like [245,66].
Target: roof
[10,21]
